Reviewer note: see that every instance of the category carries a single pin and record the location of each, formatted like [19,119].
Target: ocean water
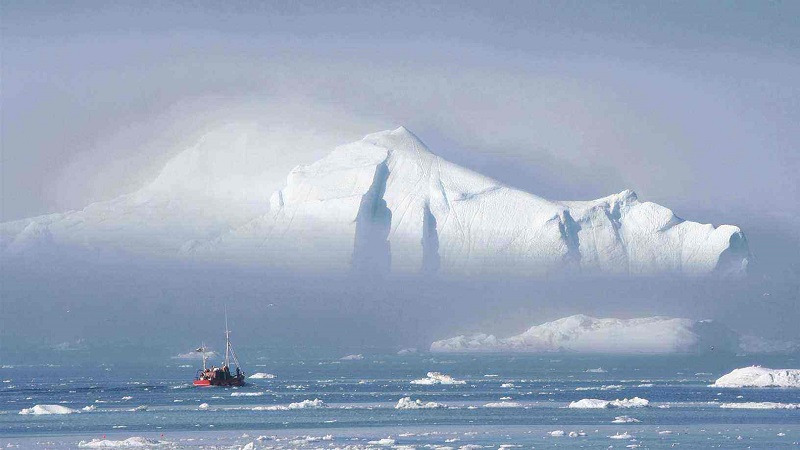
[156,405]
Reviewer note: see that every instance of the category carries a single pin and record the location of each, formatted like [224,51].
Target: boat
[220,376]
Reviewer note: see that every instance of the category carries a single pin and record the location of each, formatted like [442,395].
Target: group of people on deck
[218,373]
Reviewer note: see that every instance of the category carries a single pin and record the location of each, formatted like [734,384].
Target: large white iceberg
[584,334]
[757,376]
[385,203]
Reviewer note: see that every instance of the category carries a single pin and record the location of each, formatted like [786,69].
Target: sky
[694,105]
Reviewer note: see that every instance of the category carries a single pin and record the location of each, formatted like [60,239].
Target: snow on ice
[757,376]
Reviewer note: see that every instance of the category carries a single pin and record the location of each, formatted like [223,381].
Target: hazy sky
[695,105]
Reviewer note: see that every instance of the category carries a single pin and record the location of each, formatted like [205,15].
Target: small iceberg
[357,357]
[757,376]
[316,403]
[624,435]
[760,405]
[127,443]
[437,378]
[625,419]
[502,405]
[593,403]
[43,410]
[407,403]
[261,376]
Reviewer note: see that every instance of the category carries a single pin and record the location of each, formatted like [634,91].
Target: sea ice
[760,405]
[357,357]
[502,405]
[47,409]
[131,442]
[407,403]
[437,378]
[316,403]
[593,403]
[261,375]
[625,419]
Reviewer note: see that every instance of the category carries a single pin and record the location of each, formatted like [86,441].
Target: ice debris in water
[625,419]
[131,442]
[757,376]
[407,403]
[589,403]
[760,405]
[316,403]
[40,410]
[502,405]
[437,378]
[357,357]
[261,376]
[624,435]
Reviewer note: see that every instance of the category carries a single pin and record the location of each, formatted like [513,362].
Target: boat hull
[235,381]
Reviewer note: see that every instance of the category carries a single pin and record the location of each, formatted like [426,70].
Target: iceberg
[760,405]
[383,204]
[584,334]
[593,403]
[261,376]
[132,442]
[305,404]
[407,403]
[40,410]
[437,378]
[757,376]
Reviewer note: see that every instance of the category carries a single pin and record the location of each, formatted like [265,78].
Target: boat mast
[227,339]
[203,348]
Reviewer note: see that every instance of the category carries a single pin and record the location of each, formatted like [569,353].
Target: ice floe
[40,410]
[760,405]
[316,403]
[132,442]
[407,403]
[593,403]
[437,378]
[261,376]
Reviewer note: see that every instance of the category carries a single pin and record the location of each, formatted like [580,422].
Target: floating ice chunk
[407,351]
[597,370]
[139,408]
[261,376]
[757,376]
[384,441]
[625,419]
[760,405]
[131,442]
[89,408]
[407,403]
[557,433]
[624,435]
[246,394]
[316,403]
[357,357]
[437,378]
[203,406]
[502,405]
[40,410]
[593,403]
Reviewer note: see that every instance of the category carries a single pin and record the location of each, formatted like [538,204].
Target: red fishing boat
[220,376]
